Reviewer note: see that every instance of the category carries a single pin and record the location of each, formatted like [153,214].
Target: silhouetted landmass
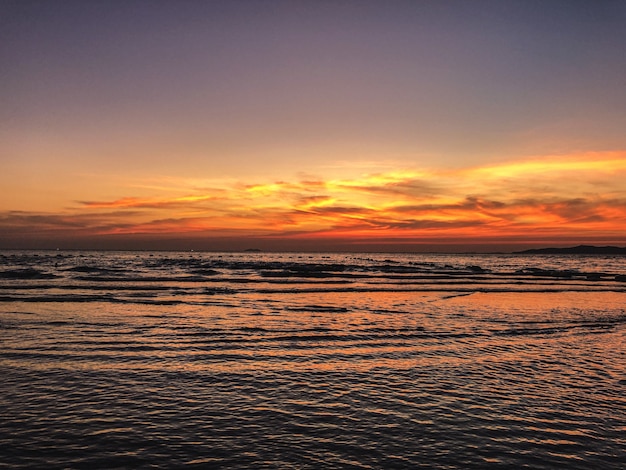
[576,250]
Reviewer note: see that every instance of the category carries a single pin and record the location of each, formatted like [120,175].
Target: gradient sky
[329,125]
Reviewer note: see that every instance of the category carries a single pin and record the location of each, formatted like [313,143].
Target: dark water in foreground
[168,360]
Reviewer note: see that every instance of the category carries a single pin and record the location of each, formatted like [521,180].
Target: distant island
[576,250]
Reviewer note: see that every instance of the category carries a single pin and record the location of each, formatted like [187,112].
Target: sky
[423,125]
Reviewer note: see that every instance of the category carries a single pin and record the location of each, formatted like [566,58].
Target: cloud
[147,203]
[560,196]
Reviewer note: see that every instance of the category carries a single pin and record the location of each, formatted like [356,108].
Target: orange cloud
[155,203]
[582,195]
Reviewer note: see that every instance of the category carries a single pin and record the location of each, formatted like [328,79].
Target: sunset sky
[312,125]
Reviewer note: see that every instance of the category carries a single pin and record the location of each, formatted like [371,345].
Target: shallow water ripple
[295,379]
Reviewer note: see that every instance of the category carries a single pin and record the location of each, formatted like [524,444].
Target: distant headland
[576,250]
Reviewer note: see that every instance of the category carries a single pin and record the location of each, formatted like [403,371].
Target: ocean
[311,361]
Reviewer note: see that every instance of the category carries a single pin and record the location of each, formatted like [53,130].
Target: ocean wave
[26,274]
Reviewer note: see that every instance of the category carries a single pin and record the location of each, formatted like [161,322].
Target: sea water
[295,360]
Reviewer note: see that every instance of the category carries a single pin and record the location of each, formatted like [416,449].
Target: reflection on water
[126,360]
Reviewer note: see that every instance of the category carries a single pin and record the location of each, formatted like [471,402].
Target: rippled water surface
[208,360]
